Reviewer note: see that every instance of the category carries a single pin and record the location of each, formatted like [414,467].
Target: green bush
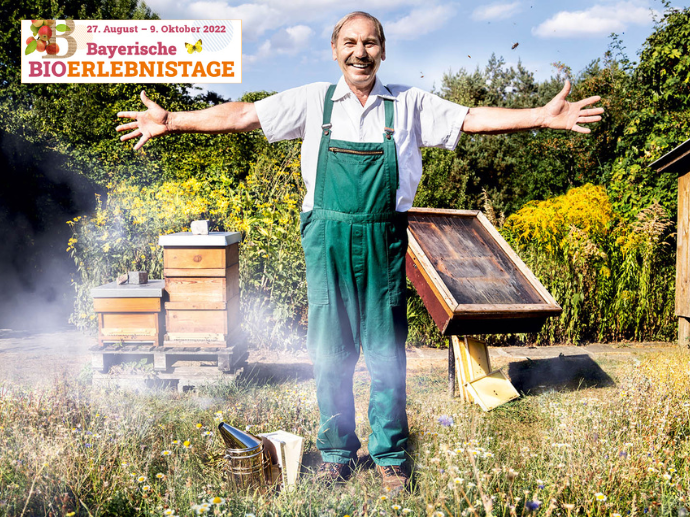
[614,278]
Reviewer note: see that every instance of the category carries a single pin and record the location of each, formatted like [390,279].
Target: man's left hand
[561,114]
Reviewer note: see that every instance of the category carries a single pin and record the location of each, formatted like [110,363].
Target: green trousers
[355,243]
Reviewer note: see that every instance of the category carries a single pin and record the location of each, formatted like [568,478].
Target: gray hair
[358,14]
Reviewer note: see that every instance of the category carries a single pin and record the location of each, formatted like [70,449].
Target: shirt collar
[379,90]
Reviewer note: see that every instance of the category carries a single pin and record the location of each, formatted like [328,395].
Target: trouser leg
[387,416]
[336,439]
[333,343]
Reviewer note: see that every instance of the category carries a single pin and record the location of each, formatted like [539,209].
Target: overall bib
[354,244]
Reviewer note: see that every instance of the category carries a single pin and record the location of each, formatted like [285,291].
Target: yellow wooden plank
[492,390]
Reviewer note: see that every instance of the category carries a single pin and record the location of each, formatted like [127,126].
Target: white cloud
[495,11]
[256,18]
[419,22]
[599,20]
[290,41]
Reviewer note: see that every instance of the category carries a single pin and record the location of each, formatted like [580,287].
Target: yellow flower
[199,426]
[600,497]
[187,444]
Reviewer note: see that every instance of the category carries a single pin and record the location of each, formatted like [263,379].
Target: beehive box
[202,281]
[129,313]
[469,278]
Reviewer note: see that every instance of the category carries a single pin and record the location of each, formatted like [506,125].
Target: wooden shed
[678,161]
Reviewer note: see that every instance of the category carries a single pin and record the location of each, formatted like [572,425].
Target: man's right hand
[147,124]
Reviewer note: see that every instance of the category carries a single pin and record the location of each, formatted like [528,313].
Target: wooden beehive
[470,279]
[202,281]
[678,161]
[129,313]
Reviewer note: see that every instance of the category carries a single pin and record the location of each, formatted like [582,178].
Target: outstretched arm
[557,114]
[231,117]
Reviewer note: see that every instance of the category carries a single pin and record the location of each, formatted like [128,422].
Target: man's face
[359,53]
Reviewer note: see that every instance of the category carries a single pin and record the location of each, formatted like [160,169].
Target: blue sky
[286,43]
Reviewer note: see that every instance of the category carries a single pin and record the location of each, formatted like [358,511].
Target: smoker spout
[236,439]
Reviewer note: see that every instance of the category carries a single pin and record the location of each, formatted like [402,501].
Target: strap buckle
[389,132]
[326,127]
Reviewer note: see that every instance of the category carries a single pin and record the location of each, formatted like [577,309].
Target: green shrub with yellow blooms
[614,278]
[122,235]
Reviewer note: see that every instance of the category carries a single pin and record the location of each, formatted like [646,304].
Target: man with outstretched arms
[361,164]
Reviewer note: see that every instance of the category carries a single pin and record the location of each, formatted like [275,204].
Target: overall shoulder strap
[328,108]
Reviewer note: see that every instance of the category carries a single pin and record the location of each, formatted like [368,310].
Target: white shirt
[421,120]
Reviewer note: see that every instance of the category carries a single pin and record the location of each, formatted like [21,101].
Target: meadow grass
[72,449]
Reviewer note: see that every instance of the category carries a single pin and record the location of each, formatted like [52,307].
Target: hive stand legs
[160,362]
[451,368]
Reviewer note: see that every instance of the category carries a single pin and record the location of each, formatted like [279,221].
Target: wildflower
[616,514]
[207,433]
[671,470]
[445,420]
[160,475]
[667,477]
[438,513]
[600,497]
[199,426]
[217,500]
[70,514]
[187,444]
[395,507]
[471,485]
[249,515]
[124,464]
[458,481]
[176,442]
[169,512]
[383,498]
[141,479]
[406,511]
[488,454]
[166,453]
[146,488]
[532,506]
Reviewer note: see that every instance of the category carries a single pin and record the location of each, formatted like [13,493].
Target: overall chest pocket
[351,178]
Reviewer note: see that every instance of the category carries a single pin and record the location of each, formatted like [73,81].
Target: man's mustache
[358,61]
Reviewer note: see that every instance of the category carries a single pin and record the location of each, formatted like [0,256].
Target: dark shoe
[395,479]
[331,473]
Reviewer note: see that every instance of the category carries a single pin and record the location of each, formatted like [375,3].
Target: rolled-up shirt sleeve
[283,115]
[440,121]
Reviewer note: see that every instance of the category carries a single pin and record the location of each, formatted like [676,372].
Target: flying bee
[515,45]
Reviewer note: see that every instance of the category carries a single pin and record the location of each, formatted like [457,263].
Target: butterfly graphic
[193,48]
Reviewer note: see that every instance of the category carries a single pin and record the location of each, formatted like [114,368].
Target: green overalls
[354,244]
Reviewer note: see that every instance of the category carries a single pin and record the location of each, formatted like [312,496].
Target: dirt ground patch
[40,358]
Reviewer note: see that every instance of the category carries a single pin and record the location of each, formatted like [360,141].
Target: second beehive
[202,281]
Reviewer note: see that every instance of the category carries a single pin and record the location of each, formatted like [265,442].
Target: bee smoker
[248,464]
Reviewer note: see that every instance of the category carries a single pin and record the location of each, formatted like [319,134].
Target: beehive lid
[219,239]
[152,289]
[470,279]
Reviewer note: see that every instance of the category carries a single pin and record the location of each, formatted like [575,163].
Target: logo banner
[126,51]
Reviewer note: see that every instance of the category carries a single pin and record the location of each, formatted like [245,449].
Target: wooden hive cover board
[473,274]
